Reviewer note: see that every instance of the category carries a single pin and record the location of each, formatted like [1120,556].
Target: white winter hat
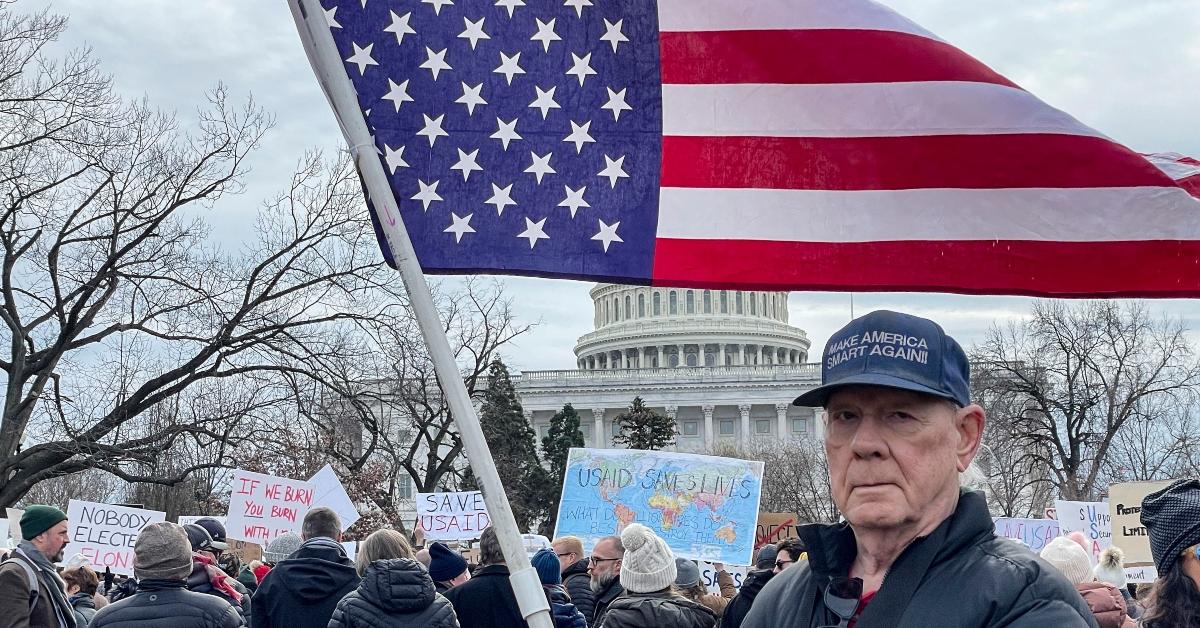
[1111,568]
[648,564]
[1070,559]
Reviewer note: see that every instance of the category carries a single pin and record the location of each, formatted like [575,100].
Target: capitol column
[742,354]
[708,426]
[819,424]
[598,416]
[781,410]
[682,355]
[745,410]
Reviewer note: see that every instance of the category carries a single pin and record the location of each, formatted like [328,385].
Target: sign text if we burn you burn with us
[262,507]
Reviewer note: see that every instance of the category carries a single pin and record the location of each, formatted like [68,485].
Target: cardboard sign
[331,494]
[1035,533]
[1090,518]
[452,516]
[704,507]
[708,576]
[262,507]
[774,527]
[105,534]
[245,551]
[1125,507]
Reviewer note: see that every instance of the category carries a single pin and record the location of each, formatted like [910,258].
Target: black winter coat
[302,590]
[959,575]
[486,600]
[657,610]
[579,586]
[396,593]
[602,599]
[199,582]
[167,604]
[735,613]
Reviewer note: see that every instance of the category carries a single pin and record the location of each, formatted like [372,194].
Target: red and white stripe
[821,144]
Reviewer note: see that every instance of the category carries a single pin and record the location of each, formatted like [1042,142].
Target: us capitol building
[724,364]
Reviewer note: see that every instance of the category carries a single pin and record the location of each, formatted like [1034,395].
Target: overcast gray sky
[1129,68]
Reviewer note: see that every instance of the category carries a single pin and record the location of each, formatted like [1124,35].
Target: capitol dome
[640,327]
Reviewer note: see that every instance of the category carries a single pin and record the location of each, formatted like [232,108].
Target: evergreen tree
[564,434]
[643,428]
[514,448]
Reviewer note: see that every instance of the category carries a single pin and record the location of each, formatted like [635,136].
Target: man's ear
[969,423]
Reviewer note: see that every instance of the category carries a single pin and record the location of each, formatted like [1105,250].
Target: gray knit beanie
[687,574]
[281,547]
[162,552]
[648,564]
[1172,520]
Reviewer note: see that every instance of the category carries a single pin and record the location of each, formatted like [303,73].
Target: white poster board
[262,507]
[1125,506]
[14,524]
[105,534]
[452,516]
[1090,518]
[708,576]
[331,494]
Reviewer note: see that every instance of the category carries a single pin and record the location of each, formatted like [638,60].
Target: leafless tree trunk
[127,330]
[1078,376]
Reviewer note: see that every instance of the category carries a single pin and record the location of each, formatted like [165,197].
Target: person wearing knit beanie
[447,567]
[649,565]
[1111,568]
[648,573]
[281,547]
[38,519]
[546,563]
[1172,519]
[162,552]
[1068,557]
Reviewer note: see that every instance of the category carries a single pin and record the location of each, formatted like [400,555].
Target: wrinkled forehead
[860,397]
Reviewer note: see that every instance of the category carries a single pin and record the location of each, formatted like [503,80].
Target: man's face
[51,542]
[604,565]
[566,557]
[783,560]
[894,455]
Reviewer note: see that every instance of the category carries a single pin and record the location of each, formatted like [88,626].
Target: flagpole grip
[327,65]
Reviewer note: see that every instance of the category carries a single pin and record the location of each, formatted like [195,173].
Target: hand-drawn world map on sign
[704,507]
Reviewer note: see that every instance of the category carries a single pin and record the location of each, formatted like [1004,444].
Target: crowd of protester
[899,434]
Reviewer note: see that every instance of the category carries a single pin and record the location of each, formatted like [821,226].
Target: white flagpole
[327,64]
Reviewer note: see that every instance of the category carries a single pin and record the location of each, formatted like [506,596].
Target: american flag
[765,144]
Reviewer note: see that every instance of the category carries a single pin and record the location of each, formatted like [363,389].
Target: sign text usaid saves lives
[105,534]
[885,343]
[452,516]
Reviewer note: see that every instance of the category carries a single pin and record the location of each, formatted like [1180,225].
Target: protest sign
[704,507]
[105,534]
[244,550]
[351,548]
[1125,507]
[261,507]
[14,524]
[329,493]
[1035,533]
[4,534]
[452,516]
[708,576]
[774,527]
[1090,518]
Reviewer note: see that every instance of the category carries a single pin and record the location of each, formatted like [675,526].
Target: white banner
[1090,518]
[452,516]
[105,534]
[262,507]
[708,576]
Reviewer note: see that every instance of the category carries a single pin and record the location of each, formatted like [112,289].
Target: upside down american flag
[766,144]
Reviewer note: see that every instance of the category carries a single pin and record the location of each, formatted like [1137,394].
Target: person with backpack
[31,593]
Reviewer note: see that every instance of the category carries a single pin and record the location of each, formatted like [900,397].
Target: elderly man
[915,550]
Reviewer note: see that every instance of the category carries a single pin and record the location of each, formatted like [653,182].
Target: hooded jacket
[662,609]
[167,604]
[85,609]
[579,586]
[1107,604]
[302,590]
[959,575]
[203,580]
[396,593]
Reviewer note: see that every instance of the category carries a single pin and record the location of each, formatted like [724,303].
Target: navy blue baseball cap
[894,350]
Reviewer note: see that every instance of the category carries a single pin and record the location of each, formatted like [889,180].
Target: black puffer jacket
[579,586]
[657,610]
[395,593]
[200,582]
[735,613]
[959,575]
[602,598]
[167,604]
